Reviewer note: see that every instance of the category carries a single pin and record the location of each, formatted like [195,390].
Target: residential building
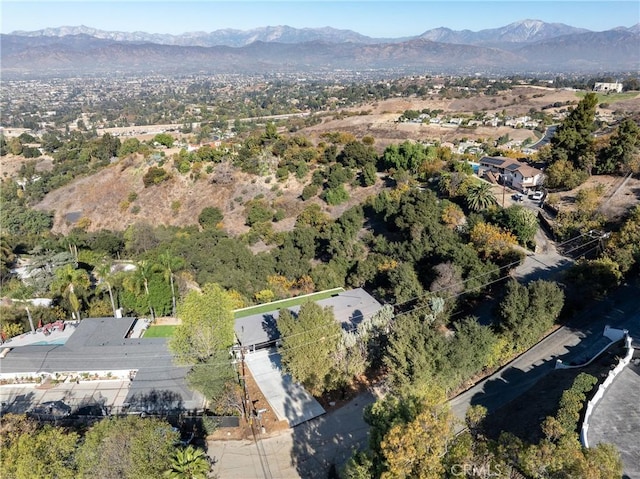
[513,173]
[608,87]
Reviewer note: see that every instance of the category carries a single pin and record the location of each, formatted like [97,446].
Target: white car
[537,195]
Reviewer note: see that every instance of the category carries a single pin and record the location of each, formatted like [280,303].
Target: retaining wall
[603,387]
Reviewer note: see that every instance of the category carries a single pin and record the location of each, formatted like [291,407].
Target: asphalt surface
[576,342]
[306,451]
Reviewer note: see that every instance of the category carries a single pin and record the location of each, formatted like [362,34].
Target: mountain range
[525,46]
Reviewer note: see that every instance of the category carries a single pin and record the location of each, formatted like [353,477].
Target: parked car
[517,197]
[537,195]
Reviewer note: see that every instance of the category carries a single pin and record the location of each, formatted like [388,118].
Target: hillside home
[608,87]
[258,338]
[513,173]
[112,348]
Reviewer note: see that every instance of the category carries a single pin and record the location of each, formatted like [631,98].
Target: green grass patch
[285,303]
[163,331]
[611,97]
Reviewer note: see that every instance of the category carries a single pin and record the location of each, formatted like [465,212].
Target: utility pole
[33,330]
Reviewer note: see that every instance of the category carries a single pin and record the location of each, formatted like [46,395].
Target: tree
[72,284]
[521,221]
[369,176]
[104,277]
[480,197]
[573,139]
[621,155]
[408,437]
[210,217]
[129,146]
[127,448]
[492,241]
[309,342]
[164,139]
[594,277]
[206,327]
[527,312]
[562,174]
[46,452]
[624,246]
[356,154]
[189,463]
[169,265]
[415,449]
[138,282]
[155,175]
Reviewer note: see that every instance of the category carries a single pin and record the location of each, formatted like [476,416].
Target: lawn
[611,97]
[163,331]
[285,303]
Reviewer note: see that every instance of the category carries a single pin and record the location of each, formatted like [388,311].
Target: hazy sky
[390,19]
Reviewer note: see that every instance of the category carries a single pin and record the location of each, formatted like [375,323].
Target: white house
[607,87]
[513,173]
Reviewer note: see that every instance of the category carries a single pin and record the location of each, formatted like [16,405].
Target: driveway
[543,263]
[307,451]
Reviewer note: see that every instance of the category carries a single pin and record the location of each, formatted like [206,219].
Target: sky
[375,18]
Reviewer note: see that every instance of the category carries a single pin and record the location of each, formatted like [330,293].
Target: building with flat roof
[258,335]
[106,345]
[349,307]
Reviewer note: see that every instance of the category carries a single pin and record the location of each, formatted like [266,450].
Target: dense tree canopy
[309,343]
[206,325]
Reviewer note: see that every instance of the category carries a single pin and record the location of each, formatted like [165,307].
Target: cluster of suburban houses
[494,121]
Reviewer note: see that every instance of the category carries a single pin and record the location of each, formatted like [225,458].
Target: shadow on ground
[323,445]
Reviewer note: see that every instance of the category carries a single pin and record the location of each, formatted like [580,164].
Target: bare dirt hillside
[378,119]
[105,199]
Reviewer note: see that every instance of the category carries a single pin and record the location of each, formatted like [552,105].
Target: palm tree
[189,463]
[103,272]
[480,197]
[138,282]
[170,264]
[71,284]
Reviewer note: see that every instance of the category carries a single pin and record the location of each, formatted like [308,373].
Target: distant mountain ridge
[226,37]
[526,46]
[524,31]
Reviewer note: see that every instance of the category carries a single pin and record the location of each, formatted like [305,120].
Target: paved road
[305,451]
[575,342]
[544,263]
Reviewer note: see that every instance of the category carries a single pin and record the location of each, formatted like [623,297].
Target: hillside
[176,202]
[101,197]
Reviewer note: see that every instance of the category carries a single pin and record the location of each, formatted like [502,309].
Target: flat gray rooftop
[616,417]
[349,308]
[287,399]
[99,344]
